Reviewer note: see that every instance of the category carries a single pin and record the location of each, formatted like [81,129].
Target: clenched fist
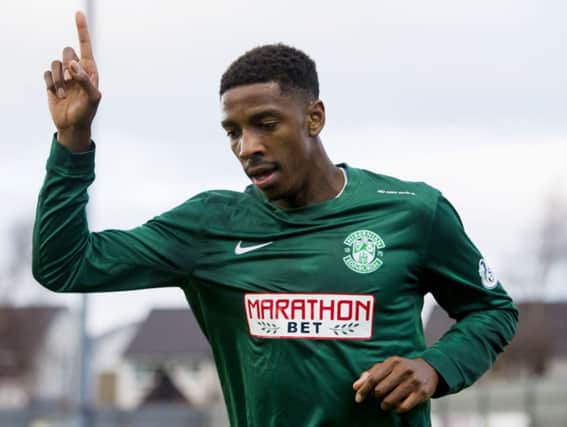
[72,91]
[398,383]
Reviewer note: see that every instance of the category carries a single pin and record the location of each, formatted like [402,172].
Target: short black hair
[291,68]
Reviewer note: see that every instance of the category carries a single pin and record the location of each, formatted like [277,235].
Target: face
[273,136]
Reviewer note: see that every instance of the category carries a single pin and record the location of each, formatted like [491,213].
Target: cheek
[291,150]
[298,162]
[234,147]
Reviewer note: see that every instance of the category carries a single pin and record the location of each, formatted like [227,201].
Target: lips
[262,176]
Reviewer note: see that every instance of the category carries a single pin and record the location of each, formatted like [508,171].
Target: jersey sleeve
[456,274]
[67,257]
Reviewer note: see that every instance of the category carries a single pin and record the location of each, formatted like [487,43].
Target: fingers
[57,77]
[80,75]
[387,385]
[398,383]
[68,56]
[62,72]
[356,385]
[49,82]
[84,38]
[368,380]
[393,399]
[364,388]
[398,374]
[410,402]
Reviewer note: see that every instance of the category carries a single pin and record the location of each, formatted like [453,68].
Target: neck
[324,182]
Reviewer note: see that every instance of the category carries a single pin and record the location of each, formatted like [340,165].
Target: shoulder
[217,202]
[415,195]
[207,205]
[218,197]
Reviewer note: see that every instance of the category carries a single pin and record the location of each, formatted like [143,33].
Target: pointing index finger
[84,38]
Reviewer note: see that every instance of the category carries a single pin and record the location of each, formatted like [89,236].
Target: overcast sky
[470,97]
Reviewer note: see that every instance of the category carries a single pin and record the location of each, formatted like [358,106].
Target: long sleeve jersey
[295,303]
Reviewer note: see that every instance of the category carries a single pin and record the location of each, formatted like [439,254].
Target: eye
[269,125]
[233,133]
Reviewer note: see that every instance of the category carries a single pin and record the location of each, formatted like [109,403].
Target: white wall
[12,395]
[56,368]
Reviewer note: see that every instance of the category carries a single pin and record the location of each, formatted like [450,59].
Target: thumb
[82,77]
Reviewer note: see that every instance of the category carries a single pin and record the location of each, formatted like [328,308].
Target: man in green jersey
[308,285]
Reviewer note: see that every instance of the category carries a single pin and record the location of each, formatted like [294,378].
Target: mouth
[262,176]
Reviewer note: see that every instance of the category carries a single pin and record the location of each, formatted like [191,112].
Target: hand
[398,383]
[72,91]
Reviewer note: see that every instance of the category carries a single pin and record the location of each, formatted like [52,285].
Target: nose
[249,145]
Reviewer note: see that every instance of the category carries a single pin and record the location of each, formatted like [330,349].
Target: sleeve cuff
[449,374]
[64,160]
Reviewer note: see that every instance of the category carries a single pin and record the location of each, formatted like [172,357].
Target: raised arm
[69,258]
[66,256]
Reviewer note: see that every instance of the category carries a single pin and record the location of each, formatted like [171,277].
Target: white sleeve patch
[487,276]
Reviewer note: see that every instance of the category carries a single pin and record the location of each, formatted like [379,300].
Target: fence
[520,403]
[150,416]
[523,403]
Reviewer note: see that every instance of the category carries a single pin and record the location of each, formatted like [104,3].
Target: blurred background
[470,97]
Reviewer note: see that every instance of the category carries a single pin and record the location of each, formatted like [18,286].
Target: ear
[315,117]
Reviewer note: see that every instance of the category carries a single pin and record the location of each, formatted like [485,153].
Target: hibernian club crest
[363,249]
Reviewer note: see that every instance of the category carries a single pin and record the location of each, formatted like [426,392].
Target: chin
[273,194]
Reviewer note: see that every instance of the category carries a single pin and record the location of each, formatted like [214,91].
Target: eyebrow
[255,117]
[227,123]
[265,113]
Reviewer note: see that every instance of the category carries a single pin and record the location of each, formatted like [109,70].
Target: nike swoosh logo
[239,250]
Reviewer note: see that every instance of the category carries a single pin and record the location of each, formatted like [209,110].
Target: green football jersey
[295,303]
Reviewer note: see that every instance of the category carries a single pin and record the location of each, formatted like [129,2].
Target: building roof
[22,332]
[164,391]
[168,334]
[541,327]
